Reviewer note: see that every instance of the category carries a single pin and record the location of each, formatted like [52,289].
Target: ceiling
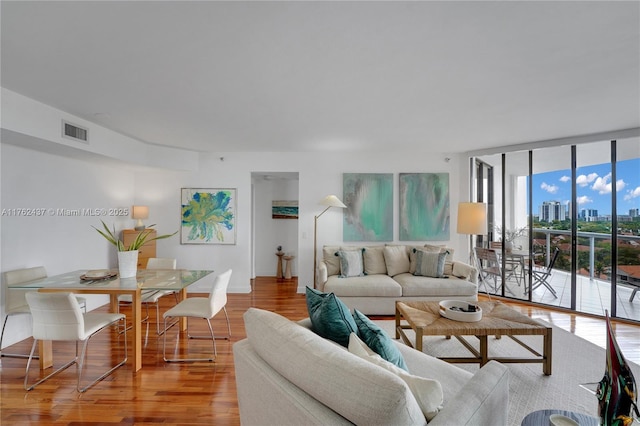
[330,76]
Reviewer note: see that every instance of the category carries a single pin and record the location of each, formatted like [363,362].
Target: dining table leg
[136,316]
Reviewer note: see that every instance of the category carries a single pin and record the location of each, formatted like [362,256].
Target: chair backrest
[487,255]
[56,316]
[161,263]
[495,244]
[15,297]
[218,295]
[554,257]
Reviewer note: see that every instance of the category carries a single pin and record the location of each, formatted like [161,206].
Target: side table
[541,417]
[279,271]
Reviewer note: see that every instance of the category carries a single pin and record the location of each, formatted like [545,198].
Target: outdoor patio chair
[490,268]
[541,276]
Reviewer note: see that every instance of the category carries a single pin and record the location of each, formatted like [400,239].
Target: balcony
[593,294]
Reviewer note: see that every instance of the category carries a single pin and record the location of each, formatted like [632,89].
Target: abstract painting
[424,206]
[208,216]
[281,209]
[369,212]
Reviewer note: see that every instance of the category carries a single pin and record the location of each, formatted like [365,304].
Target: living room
[348,97]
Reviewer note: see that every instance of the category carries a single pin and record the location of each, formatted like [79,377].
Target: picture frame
[208,216]
[284,209]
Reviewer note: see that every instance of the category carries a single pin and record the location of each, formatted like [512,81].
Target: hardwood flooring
[191,393]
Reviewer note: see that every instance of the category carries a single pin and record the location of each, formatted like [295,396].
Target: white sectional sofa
[389,274]
[288,375]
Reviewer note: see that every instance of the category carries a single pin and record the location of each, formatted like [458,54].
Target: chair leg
[213,339]
[633,294]
[4,325]
[31,357]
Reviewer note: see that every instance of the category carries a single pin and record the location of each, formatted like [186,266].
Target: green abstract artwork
[208,216]
[424,206]
[369,212]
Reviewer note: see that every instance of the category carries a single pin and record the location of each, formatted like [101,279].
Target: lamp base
[140,228]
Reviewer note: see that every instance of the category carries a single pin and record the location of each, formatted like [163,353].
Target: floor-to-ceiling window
[580,201]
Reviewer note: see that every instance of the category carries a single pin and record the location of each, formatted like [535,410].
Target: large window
[581,201]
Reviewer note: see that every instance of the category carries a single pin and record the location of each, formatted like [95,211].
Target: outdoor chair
[57,317]
[201,307]
[541,276]
[15,302]
[490,268]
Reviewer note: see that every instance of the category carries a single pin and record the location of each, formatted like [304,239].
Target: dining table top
[145,279]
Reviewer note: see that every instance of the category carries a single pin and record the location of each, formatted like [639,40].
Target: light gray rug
[575,361]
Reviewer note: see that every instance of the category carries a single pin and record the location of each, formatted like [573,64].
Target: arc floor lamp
[329,201]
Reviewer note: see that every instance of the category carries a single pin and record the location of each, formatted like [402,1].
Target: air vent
[77,133]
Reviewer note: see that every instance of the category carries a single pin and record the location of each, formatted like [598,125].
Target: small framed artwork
[282,209]
[208,216]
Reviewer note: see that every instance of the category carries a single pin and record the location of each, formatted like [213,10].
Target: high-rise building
[634,212]
[589,215]
[552,210]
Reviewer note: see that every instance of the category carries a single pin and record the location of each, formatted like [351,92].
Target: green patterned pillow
[351,264]
[429,264]
[377,340]
[330,317]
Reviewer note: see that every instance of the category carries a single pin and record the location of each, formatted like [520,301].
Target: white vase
[128,263]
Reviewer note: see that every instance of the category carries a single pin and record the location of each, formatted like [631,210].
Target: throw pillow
[430,264]
[448,264]
[373,258]
[427,392]
[330,317]
[378,340]
[397,260]
[330,259]
[350,263]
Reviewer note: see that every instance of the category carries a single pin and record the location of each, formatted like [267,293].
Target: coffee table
[497,320]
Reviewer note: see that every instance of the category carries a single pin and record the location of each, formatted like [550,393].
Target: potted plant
[509,236]
[128,255]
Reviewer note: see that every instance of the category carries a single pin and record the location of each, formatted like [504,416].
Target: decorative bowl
[459,310]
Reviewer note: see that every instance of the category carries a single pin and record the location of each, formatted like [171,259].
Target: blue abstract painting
[208,216]
[369,212]
[424,206]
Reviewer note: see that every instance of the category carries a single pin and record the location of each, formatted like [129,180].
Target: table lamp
[329,201]
[139,213]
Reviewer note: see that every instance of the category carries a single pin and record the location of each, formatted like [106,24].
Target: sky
[594,187]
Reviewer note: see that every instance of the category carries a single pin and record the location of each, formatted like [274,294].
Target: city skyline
[594,187]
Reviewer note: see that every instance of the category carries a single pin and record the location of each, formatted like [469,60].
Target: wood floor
[193,393]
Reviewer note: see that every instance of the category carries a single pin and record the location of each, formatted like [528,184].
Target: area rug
[574,361]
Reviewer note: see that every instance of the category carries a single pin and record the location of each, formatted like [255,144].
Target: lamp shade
[332,201]
[140,212]
[472,218]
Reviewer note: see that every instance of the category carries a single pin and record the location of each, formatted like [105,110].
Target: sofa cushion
[428,392]
[368,286]
[359,391]
[448,265]
[373,258]
[331,260]
[378,340]
[330,317]
[413,286]
[430,264]
[350,263]
[397,260]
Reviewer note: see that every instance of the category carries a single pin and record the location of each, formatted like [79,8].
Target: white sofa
[389,275]
[288,375]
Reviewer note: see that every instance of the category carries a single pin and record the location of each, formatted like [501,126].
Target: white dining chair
[15,302]
[201,307]
[152,297]
[58,317]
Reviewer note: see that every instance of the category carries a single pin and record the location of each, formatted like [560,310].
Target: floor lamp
[329,201]
[472,220]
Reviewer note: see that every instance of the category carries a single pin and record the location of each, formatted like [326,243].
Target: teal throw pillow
[330,317]
[429,264]
[378,340]
[351,264]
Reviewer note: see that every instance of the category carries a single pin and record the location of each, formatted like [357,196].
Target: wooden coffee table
[497,320]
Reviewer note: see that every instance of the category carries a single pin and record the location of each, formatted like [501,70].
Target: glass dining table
[146,279]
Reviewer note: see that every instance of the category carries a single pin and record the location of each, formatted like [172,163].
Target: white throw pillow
[331,260]
[397,260]
[428,392]
[374,260]
[351,263]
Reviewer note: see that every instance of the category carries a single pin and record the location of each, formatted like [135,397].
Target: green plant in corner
[140,240]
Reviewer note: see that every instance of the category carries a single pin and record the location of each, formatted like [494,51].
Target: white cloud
[584,200]
[584,180]
[565,179]
[551,189]
[603,185]
[632,193]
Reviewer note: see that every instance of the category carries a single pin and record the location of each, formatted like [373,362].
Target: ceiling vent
[72,131]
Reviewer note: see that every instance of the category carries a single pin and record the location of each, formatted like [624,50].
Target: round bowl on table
[456,315]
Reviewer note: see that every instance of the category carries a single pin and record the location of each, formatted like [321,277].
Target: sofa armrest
[466,271]
[321,275]
[483,400]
